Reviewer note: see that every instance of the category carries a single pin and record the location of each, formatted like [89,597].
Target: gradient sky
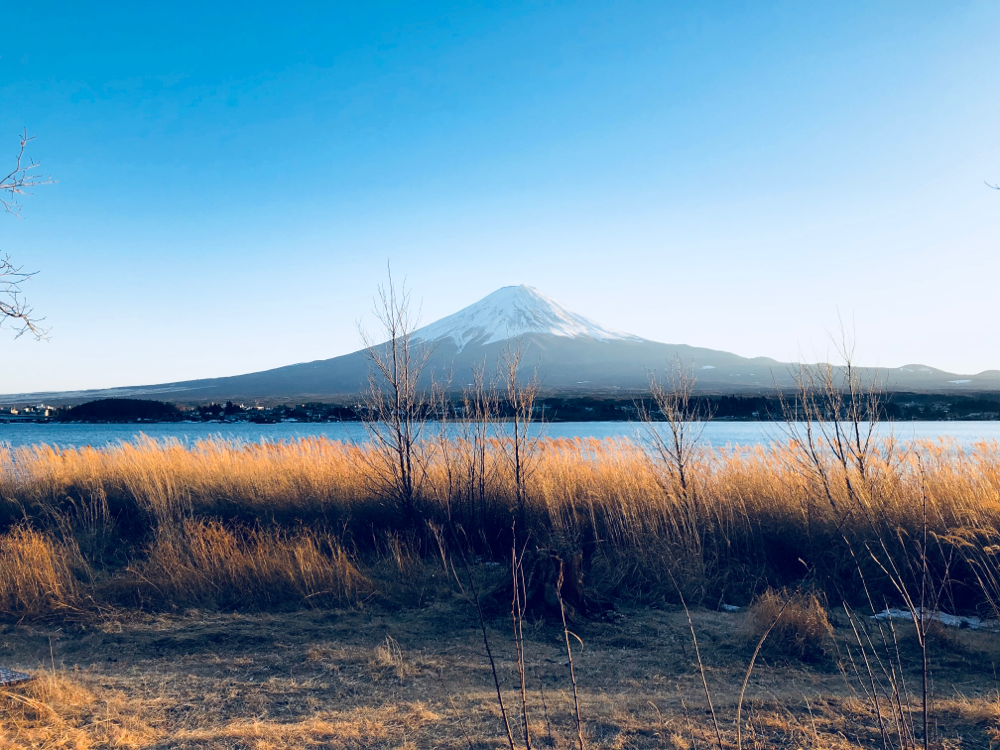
[234,178]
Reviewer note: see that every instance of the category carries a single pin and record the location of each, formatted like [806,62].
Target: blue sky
[232,179]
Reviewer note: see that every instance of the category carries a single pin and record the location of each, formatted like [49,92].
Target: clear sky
[233,178]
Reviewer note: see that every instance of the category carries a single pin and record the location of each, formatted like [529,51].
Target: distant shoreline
[900,408]
[972,419]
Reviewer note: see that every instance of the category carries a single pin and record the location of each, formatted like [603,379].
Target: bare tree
[397,405]
[519,448]
[835,416]
[480,406]
[674,423]
[685,418]
[14,310]
[833,431]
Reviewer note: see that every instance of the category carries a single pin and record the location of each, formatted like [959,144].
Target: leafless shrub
[673,429]
[519,447]
[480,409]
[396,403]
[832,428]
[685,418]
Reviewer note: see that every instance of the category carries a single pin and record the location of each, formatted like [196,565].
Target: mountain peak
[514,311]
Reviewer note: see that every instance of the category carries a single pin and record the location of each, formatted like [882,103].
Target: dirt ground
[373,677]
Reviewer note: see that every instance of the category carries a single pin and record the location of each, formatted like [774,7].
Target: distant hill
[572,354]
[122,410]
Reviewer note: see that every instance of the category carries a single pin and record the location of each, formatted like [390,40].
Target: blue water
[718,434]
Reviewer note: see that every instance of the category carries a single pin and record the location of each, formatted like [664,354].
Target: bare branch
[14,310]
[21,178]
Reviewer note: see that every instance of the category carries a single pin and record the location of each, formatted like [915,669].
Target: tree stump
[541,569]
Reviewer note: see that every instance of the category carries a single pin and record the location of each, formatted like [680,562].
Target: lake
[718,433]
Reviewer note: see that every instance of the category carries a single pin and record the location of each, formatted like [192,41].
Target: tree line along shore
[895,406]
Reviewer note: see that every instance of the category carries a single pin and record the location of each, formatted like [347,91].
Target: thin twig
[517,612]
[569,654]
[746,679]
[461,723]
[545,708]
[489,651]
[701,665]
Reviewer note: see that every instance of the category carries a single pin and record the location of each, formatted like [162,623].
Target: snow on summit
[511,312]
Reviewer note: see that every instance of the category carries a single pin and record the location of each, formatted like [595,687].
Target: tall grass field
[510,593]
[155,525]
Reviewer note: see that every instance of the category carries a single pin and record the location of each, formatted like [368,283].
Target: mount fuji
[572,355]
[511,313]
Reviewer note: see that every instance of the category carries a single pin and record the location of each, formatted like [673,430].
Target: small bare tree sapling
[397,406]
[480,406]
[833,431]
[685,418]
[519,447]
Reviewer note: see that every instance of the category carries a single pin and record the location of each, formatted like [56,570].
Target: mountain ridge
[571,353]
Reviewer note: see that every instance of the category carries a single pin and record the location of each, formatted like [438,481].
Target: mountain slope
[571,354]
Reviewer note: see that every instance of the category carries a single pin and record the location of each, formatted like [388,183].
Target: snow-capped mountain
[571,354]
[514,312]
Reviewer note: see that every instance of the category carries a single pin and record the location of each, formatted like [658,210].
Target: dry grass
[228,523]
[388,656]
[795,624]
[329,679]
[37,576]
[57,711]
[263,528]
[205,563]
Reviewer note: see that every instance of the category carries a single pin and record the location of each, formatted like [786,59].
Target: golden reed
[231,524]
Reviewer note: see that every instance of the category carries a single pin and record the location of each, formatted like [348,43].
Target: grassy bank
[279,596]
[316,523]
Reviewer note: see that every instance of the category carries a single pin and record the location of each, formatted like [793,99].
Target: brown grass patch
[795,623]
[55,711]
[203,562]
[38,575]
